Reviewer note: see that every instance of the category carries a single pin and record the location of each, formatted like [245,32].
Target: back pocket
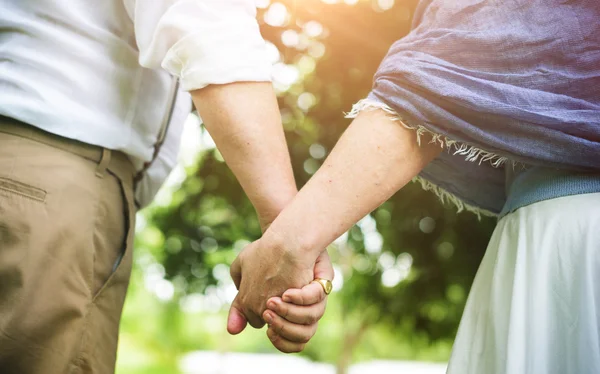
[17,188]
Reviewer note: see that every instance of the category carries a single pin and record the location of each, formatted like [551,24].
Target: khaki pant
[66,232]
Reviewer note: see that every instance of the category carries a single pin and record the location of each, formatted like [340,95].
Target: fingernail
[271,305]
[269,318]
[286,298]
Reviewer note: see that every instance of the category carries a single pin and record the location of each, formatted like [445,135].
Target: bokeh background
[402,274]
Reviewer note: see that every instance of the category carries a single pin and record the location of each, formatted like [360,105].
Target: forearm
[372,160]
[245,123]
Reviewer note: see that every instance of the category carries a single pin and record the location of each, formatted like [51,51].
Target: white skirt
[534,307]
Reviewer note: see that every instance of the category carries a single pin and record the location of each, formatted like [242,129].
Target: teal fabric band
[528,185]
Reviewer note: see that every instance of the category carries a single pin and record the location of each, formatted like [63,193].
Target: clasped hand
[275,286]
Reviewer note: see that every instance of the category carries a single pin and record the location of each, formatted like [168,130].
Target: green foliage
[208,222]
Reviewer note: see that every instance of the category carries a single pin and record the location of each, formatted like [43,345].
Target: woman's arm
[374,158]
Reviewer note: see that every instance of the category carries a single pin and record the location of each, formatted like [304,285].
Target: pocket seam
[22,189]
[129,231]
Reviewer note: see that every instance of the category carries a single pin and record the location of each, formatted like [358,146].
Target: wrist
[293,240]
[268,211]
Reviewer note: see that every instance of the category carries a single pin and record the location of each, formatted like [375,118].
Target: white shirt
[91,70]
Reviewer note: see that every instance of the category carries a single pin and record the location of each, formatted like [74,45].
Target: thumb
[323,268]
[236,321]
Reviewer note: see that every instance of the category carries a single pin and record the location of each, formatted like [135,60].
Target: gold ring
[326,284]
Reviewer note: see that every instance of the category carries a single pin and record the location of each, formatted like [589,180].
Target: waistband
[116,162]
[526,185]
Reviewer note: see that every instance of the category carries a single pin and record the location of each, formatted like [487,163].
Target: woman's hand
[294,317]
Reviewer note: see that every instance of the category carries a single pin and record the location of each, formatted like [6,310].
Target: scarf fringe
[471,153]
[447,197]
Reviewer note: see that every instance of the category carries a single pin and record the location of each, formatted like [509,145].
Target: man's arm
[374,158]
[244,121]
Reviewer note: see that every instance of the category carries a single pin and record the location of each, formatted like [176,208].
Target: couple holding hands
[492,104]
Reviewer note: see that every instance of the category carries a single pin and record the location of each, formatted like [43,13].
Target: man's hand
[262,270]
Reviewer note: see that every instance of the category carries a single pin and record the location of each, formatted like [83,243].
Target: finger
[300,314]
[253,314]
[313,292]
[239,317]
[253,317]
[323,268]
[290,331]
[254,320]
[236,272]
[236,321]
[283,344]
[310,294]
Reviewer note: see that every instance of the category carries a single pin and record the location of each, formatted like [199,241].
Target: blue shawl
[495,81]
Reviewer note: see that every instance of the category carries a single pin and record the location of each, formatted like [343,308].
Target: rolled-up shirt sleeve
[202,42]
